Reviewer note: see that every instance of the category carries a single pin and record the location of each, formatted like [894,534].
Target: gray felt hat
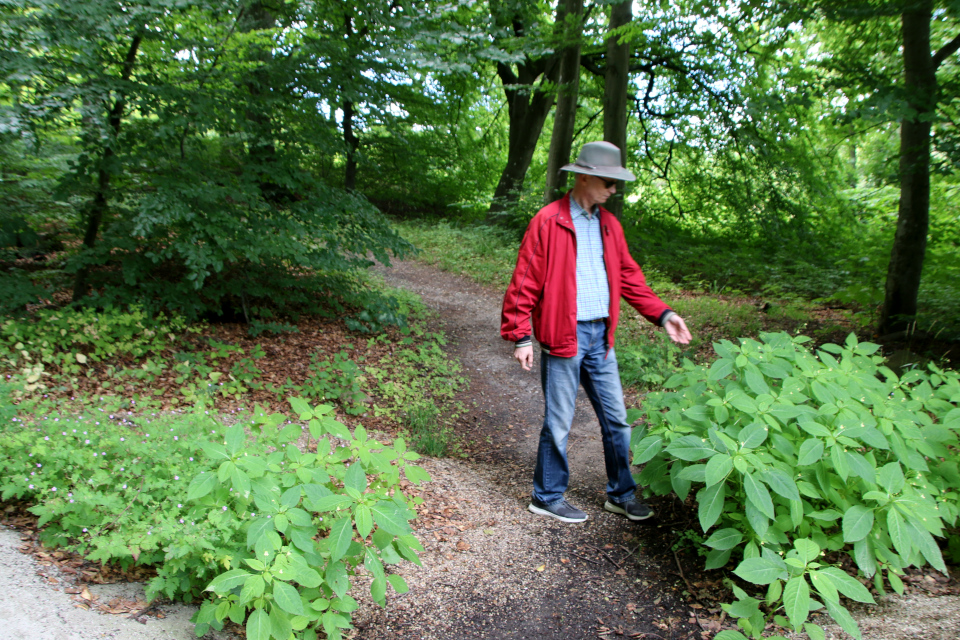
[600,159]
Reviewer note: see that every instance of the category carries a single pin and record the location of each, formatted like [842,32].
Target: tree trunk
[352,142]
[913,218]
[616,78]
[98,206]
[528,104]
[561,142]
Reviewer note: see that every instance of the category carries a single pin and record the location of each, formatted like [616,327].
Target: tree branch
[946,51]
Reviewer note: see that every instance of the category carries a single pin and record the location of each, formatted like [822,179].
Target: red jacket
[544,283]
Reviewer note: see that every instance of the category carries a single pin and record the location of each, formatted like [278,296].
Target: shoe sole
[613,508]
[544,512]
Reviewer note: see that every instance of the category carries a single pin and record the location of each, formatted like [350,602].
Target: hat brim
[616,173]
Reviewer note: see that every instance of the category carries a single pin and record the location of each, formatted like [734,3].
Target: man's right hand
[524,355]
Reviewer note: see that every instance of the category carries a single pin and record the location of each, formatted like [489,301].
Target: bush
[273,532]
[798,454]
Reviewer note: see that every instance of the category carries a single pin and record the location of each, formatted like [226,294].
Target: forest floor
[491,569]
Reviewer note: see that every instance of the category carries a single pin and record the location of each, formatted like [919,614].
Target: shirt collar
[577,210]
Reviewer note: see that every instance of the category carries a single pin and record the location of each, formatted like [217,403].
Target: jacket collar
[564,218]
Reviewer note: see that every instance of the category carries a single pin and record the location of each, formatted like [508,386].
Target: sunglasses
[608,183]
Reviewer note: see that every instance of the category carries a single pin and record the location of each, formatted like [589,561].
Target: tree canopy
[233,158]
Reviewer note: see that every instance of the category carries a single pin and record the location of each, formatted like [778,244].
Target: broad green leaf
[259,626]
[690,448]
[214,451]
[717,558]
[839,459]
[301,407]
[341,532]
[336,575]
[754,435]
[924,542]
[363,520]
[717,469]
[842,617]
[824,586]
[724,539]
[646,449]
[847,585]
[780,482]
[857,523]
[256,529]
[356,477]
[890,477]
[811,451]
[280,624]
[720,369]
[252,588]
[288,598]
[760,570]
[227,581]
[240,482]
[897,529]
[864,557]
[202,484]
[814,631]
[332,503]
[796,600]
[814,428]
[756,382]
[806,549]
[417,475]
[730,634]
[398,583]
[741,401]
[710,505]
[757,494]
[234,439]
[743,608]
[388,516]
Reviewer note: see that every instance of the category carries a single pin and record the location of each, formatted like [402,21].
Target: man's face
[599,189]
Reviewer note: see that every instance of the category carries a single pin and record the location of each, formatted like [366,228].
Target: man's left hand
[677,329]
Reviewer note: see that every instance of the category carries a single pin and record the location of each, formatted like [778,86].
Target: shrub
[798,454]
[275,533]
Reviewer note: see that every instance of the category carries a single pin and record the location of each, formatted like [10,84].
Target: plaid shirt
[593,290]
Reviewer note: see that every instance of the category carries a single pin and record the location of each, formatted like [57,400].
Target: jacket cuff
[665,316]
[525,341]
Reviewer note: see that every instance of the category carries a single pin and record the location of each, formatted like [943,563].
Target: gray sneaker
[633,509]
[562,511]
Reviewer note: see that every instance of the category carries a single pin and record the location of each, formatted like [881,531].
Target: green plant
[339,380]
[647,364]
[427,435]
[831,448]
[274,532]
[69,339]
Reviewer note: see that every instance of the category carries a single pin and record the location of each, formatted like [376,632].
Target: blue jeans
[560,378]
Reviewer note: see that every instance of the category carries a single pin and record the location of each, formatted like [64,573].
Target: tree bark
[98,206]
[528,105]
[352,143]
[616,79]
[565,117]
[913,217]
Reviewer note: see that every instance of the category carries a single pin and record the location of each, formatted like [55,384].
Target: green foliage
[648,364]
[67,340]
[339,380]
[486,254]
[795,453]
[428,435]
[242,511]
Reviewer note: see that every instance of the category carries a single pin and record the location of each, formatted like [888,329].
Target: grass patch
[484,254]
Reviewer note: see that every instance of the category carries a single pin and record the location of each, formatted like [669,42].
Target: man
[572,268]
